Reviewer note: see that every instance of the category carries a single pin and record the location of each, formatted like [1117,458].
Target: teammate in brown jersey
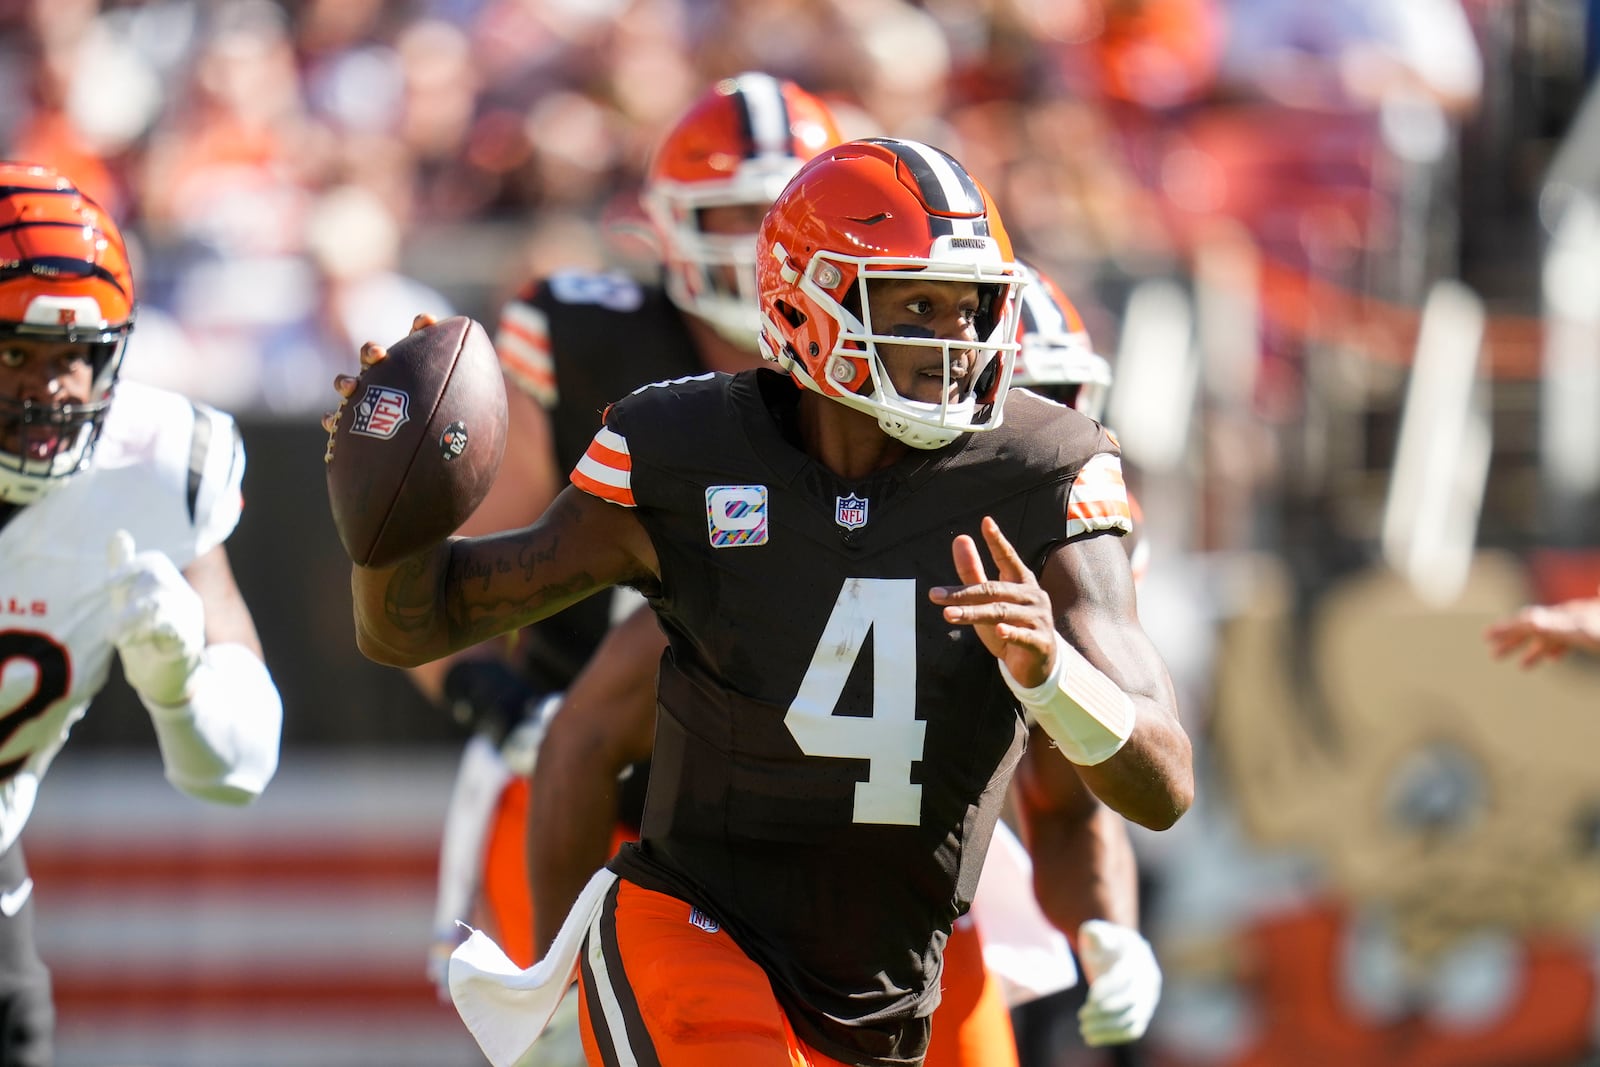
[818,814]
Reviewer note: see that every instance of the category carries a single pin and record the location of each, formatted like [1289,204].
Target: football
[417,445]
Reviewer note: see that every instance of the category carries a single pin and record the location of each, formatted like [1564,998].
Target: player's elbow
[388,654]
[1166,807]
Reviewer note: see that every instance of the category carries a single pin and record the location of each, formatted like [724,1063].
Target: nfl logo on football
[852,512]
[381,413]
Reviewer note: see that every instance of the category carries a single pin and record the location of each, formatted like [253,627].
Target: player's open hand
[1011,613]
[372,353]
[1547,632]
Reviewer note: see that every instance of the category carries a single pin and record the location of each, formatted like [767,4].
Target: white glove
[158,622]
[1124,983]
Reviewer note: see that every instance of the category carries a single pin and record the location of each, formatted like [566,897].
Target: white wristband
[222,743]
[1084,712]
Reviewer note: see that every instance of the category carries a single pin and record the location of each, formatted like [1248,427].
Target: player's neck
[846,441]
[716,351]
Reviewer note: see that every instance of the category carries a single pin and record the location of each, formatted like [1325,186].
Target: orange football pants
[972,1024]
[971,1027]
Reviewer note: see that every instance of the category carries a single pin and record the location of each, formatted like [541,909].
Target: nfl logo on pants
[852,512]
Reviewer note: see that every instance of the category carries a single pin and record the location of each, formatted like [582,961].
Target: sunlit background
[1344,255]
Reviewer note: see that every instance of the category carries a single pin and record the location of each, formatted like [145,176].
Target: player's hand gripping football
[158,622]
[372,353]
[1124,983]
[1011,613]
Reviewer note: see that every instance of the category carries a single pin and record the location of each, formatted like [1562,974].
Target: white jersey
[168,471]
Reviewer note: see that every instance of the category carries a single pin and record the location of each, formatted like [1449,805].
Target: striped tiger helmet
[885,209]
[64,279]
[1057,357]
[738,145]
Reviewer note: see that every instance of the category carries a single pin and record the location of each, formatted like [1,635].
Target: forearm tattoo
[493,588]
[409,598]
[473,589]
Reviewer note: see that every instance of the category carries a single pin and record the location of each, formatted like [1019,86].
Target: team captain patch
[736,515]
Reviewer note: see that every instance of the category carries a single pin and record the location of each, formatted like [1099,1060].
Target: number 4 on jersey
[891,739]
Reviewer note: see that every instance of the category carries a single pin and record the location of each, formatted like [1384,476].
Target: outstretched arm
[466,590]
[469,589]
[606,722]
[1071,643]
[1543,632]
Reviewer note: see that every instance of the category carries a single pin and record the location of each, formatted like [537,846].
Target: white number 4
[891,738]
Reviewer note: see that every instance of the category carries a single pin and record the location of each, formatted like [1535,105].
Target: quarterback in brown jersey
[835,734]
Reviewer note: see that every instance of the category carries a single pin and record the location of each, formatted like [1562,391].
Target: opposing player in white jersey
[115,501]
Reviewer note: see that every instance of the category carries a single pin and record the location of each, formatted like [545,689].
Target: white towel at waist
[506,1007]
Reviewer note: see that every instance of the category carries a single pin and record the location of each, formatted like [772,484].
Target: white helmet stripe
[944,184]
[1040,314]
[767,113]
[955,190]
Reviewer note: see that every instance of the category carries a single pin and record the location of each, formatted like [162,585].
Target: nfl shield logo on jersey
[381,412]
[852,512]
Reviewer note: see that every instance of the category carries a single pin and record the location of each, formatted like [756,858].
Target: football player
[799,870]
[1085,869]
[570,344]
[115,501]
[720,166]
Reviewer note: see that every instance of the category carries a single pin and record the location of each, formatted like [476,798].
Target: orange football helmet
[1057,358]
[64,277]
[739,144]
[875,209]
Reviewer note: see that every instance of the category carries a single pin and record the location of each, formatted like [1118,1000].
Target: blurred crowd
[305,174]
[1258,206]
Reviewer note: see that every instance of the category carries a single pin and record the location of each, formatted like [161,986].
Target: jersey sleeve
[606,469]
[1098,500]
[216,477]
[523,342]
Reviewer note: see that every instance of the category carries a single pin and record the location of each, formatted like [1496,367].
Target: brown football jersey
[831,755]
